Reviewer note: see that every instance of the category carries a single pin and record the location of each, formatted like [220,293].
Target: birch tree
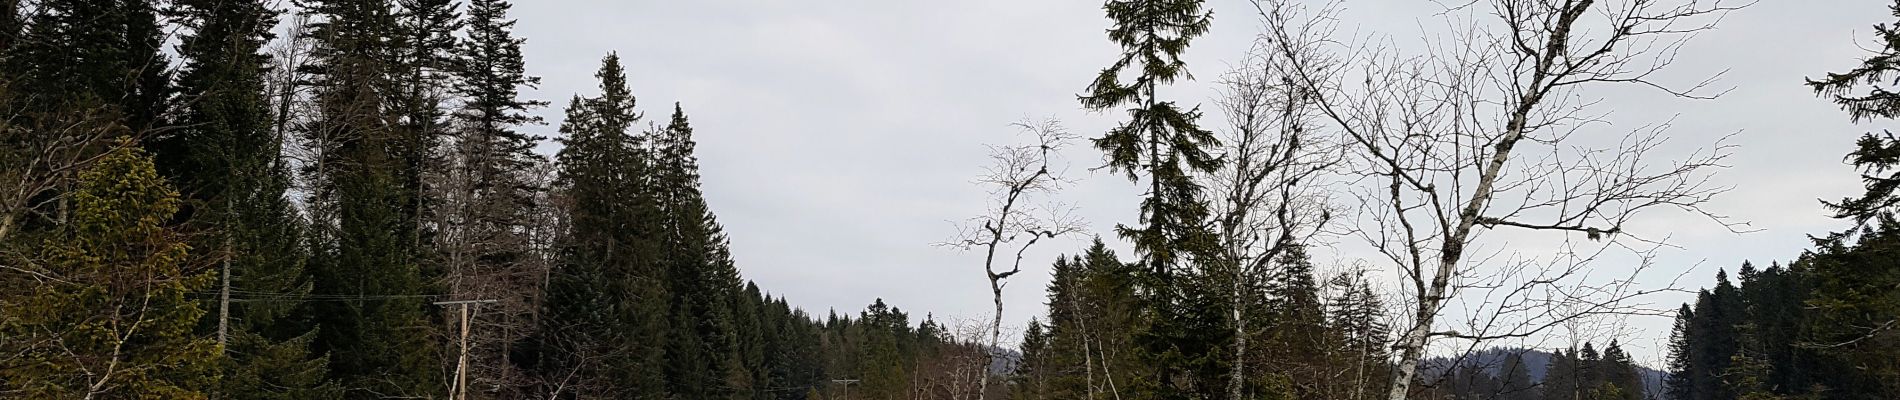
[1267,200]
[1491,129]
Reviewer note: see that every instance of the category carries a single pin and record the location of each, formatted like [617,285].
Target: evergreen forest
[366,199]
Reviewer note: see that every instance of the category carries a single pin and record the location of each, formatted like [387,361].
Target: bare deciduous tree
[1489,129]
[1017,219]
[43,153]
[1267,195]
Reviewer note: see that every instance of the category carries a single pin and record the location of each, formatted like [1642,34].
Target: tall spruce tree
[375,326]
[424,64]
[1514,378]
[1358,339]
[77,54]
[1561,378]
[229,167]
[80,74]
[1857,293]
[1093,328]
[485,248]
[704,357]
[1680,384]
[606,307]
[1164,142]
[1853,309]
[1030,378]
[11,20]
[1618,371]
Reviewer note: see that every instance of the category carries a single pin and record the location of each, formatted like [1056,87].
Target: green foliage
[366,250]
[79,54]
[1779,344]
[1166,143]
[1093,328]
[227,160]
[1853,307]
[607,300]
[110,315]
[1860,92]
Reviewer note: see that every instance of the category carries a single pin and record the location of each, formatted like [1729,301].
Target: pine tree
[1589,367]
[236,184]
[605,318]
[423,65]
[490,196]
[10,23]
[82,53]
[1856,293]
[744,375]
[366,253]
[1618,370]
[1030,379]
[885,374]
[1680,384]
[1874,154]
[1561,378]
[1514,378]
[1164,142]
[113,317]
[1860,288]
[80,74]
[1358,338]
[705,358]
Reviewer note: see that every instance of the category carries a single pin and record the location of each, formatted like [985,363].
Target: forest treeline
[242,199]
[342,200]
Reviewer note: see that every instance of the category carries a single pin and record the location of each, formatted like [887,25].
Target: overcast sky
[838,138]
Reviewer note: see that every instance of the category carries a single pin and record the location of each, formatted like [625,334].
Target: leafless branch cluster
[1488,129]
[45,153]
[1269,196]
[1019,178]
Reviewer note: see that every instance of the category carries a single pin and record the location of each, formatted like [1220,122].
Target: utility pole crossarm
[459,389]
[460,302]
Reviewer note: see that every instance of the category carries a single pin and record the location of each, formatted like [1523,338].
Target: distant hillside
[1536,362]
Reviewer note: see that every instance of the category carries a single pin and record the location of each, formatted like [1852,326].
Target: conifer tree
[423,64]
[1164,142]
[704,359]
[1618,370]
[1680,382]
[1356,326]
[10,22]
[112,315]
[1589,371]
[365,248]
[1031,377]
[1561,378]
[83,53]
[234,180]
[1514,378]
[1294,333]
[490,195]
[1854,304]
[80,74]
[1093,328]
[606,309]
[1857,290]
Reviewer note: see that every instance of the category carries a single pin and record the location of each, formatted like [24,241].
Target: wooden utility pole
[224,288]
[847,386]
[459,389]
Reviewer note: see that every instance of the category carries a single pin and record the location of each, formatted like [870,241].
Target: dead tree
[1489,129]
[1017,218]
